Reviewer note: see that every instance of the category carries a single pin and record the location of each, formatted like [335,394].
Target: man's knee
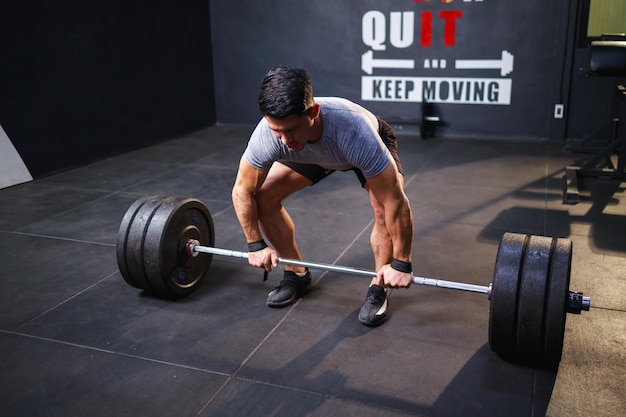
[267,201]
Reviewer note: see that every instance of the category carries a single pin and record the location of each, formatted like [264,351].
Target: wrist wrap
[257,246]
[401,266]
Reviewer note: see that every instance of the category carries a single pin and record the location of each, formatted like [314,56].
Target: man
[299,141]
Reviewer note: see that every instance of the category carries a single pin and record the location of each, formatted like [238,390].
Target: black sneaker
[374,310]
[289,290]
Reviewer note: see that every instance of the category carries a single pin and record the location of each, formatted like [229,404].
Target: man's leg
[275,222]
[279,229]
[373,312]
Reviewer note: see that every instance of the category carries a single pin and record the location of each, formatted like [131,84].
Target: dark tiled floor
[76,340]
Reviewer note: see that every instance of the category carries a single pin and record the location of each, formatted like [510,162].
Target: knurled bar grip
[192,247]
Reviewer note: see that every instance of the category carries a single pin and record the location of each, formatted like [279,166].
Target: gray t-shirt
[349,139]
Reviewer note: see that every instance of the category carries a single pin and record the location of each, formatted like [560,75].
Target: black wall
[83,80]
[331,38]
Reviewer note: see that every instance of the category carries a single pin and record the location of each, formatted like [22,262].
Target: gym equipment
[428,120]
[159,248]
[608,58]
[148,250]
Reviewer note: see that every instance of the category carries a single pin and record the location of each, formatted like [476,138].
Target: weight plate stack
[529,299]
[129,247]
[151,251]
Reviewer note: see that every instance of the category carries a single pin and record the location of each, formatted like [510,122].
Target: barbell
[160,240]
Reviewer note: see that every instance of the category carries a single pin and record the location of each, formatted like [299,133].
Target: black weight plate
[122,237]
[134,242]
[123,243]
[557,300]
[170,270]
[504,294]
[532,299]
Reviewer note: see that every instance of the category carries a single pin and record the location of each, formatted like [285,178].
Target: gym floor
[76,340]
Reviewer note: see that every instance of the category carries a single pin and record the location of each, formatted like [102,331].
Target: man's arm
[387,188]
[248,182]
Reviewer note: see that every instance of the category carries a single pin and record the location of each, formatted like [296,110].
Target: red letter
[427,28]
[449,27]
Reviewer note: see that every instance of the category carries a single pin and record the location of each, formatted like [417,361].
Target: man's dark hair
[284,92]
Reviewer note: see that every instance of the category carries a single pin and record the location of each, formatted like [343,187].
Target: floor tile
[113,174]
[97,221]
[43,273]
[29,203]
[214,329]
[586,385]
[47,378]
[247,398]
[197,181]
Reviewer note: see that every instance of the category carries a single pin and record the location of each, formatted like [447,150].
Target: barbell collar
[193,247]
[577,302]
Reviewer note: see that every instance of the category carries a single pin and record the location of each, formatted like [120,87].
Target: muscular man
[299,141]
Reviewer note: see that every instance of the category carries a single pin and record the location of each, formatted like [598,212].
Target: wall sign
[392,36]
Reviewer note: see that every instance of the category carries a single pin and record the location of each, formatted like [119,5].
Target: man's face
[294,131]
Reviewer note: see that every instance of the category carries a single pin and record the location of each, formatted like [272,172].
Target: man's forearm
[247,214]
[400,226]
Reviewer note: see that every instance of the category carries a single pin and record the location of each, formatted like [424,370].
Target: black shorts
[316,173]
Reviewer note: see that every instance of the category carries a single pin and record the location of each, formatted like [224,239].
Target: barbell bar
[160,240]
[577,302]
[193,247]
